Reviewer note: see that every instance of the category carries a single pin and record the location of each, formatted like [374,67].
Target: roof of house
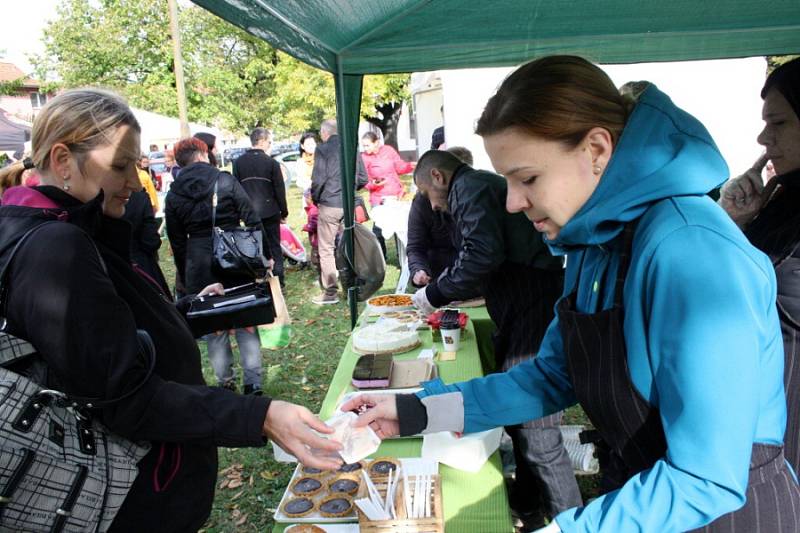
[10,72]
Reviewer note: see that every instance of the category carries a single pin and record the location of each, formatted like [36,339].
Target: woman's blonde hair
[81,119]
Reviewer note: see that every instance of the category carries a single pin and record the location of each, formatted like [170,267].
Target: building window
[38,100]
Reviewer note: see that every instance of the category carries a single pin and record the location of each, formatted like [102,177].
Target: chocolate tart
[344,484]
[297,507]
[351,467]
[306,486]
[335,506]
[309,471]
[381,466]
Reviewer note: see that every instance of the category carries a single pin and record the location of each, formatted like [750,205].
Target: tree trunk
[389,117]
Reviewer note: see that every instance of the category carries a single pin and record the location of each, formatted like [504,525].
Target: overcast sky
[24,21]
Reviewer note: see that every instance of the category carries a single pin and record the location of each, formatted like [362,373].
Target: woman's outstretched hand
[290,427]
[378,411]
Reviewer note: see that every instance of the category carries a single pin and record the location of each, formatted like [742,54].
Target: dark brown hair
[187,149]
[558,98]
[786,79]
[370,136]
[210,139]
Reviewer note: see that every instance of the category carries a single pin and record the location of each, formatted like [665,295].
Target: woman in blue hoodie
[667,333]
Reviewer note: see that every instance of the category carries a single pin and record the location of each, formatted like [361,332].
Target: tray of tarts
[321,496]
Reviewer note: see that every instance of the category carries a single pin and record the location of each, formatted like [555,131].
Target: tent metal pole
[348,107]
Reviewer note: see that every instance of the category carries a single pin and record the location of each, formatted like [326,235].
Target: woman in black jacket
[188,212]
[145,239]
[73,294]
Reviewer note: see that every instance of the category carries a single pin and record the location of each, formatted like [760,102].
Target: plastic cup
[451,338]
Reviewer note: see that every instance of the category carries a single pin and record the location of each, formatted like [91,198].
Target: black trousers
[272,242]
[379,234]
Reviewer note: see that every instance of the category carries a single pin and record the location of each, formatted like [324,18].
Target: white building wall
[722,94]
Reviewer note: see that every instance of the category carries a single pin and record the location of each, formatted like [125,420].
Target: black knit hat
[786,79]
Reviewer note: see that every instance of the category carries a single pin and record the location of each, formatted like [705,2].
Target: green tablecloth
[472,502]
[484,327]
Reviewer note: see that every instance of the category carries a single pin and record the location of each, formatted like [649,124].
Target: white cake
[384,337]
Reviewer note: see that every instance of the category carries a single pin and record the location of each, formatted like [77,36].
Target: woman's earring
[66,185]
[597,169]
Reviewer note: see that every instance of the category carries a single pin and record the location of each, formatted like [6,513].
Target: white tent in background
[162,130]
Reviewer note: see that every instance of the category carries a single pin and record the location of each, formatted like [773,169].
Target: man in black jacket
[261,177]
[431,245]
[503,257]
[326,192]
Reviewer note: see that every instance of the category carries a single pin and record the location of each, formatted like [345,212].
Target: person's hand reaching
[420,300]
[421,278]
[378,411]
[290,427]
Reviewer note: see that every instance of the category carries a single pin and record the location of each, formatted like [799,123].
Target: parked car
[229,155]
[289,165]
[158,166]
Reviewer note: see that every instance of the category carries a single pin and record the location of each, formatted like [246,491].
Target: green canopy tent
[350,38]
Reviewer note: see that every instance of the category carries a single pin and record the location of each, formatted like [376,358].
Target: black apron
[594,346]
[787,272]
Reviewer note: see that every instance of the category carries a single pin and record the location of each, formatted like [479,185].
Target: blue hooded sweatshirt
[701,329]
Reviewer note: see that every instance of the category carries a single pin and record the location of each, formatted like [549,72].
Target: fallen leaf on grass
[242,520]
[306,388]
[268,475]
[310,321]
[235,483]
[224,483]
[250,481]
[237,495]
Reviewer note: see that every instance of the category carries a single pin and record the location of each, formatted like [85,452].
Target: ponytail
[11,176]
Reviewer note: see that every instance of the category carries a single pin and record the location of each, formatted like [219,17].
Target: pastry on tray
[310,471]
[297,507]
[381,466]
[346,483]
[336,505]
[351,467]
[306,486]
[372,371]
[391,300]
[385,337]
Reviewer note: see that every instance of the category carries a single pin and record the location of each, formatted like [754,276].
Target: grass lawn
[251,482]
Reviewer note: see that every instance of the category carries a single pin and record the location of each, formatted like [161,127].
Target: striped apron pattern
[787,272]
[594,346]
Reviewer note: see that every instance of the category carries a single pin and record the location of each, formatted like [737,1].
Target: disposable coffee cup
[451,338]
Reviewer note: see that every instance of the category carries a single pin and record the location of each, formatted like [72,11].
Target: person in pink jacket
[384,166]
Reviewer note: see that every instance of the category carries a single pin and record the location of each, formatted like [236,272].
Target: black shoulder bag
[60,468]
[237,251]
